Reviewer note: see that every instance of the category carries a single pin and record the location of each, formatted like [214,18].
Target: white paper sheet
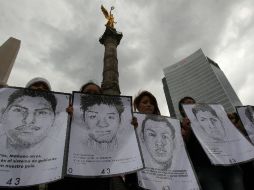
[166,163]
[32,138]
[222,142]
[102,140]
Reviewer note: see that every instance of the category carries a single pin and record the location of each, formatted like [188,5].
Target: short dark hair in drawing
[33,93]
[90,100]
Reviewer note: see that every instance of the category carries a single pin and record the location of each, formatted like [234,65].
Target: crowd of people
[210,177]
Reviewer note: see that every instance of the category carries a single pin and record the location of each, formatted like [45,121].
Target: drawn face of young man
[210,124]
[158,139]
[27,120]
[102,122]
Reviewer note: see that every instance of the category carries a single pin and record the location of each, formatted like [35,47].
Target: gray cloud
[60,41]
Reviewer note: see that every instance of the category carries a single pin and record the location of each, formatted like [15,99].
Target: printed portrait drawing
[102,119]
[210,124]
[27,118]
[158,136]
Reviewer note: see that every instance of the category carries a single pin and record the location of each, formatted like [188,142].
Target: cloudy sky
[59,41]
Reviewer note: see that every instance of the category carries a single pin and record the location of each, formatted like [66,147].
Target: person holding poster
[102,140]
[249,122]
[210,176]
[145,103]
[28,121]
[166,162]
[91,88]
[79,183]
[245,120]
[39,83]
[185,123]
[235,119]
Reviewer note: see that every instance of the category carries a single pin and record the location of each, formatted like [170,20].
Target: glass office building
[201,78]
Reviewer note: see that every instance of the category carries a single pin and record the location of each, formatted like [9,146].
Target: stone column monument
[8,54]
[110,83]
[110,39]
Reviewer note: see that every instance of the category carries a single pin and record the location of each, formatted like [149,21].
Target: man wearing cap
[39,83]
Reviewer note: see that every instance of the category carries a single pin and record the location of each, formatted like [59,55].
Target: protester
[210,177]
[248,167]
[234,118]
[185,124]
[81,183]
[39,83]
[145,103]
[91,88]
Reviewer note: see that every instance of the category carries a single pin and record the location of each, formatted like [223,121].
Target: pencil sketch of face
[102,122]
[27,119]
[102,117]
[158,137]
[209,122]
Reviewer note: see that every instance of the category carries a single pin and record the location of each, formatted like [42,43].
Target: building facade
[8,54]
[201,78]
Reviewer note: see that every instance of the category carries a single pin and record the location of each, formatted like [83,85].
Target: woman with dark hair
[91,88]
[145,103]
[81,183]
[88,88]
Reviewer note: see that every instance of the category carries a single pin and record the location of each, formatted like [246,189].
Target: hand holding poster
[246,114]
[32,140]
[222,142]
[166,163]
[102,140]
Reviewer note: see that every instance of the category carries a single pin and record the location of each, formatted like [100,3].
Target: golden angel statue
[109,16]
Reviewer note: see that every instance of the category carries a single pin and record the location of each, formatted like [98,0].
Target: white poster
[32,138]
[222,142]
[166,163]
[102,140]
[246,114]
